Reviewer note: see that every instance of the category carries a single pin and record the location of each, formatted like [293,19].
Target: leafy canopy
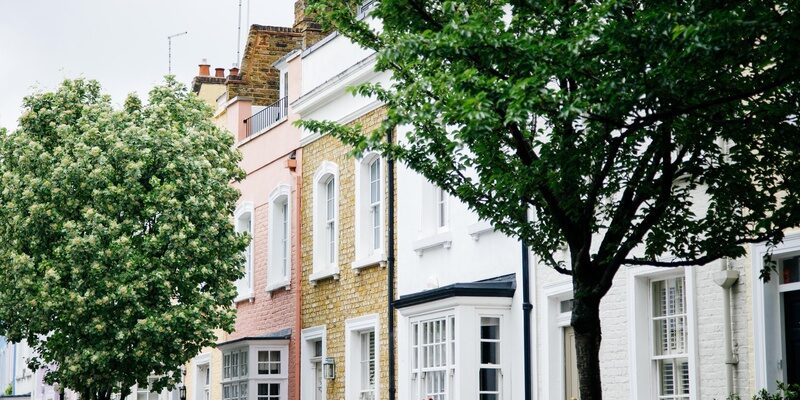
[638,132]
[116,242]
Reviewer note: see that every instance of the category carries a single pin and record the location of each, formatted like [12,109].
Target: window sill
[479,229]
[282,284]
[244,297]
[377,258]
[442,239]
[321,275]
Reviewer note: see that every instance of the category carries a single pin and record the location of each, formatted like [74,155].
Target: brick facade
[259,80]
[331,302]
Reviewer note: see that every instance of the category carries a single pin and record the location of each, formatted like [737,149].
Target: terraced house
[345,239]
[259,358]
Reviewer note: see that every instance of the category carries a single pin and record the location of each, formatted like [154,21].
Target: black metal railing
[267,117]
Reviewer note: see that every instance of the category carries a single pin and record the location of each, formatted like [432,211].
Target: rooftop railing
[268,117]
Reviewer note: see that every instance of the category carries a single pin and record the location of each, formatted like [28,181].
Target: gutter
[526,319]
[298,265]
[726,278]
[390,265]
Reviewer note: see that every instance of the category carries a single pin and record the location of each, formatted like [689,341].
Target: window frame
[498,367]
[370,212]
[308,337]
[325,234]
[244,286]
[354,329]
[251,378]
[279,260]
[642,372]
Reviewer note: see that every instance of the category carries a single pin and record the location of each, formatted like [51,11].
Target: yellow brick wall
[331,302]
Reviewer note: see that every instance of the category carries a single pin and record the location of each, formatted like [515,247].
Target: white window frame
[501,367]
[164,394]
[307,338]
[431,234]
[367,254]
[244,286]
[279,264]
[441,200]
[643,375]
[463,373]
[251,379]
[202,389]
[354,328]
[322,266]
[768,318]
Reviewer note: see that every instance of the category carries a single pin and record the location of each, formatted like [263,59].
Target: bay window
[256,368]
[455,341]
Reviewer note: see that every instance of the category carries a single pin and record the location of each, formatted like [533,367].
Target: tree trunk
[586,324]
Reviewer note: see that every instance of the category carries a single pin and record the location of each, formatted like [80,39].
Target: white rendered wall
[466,260]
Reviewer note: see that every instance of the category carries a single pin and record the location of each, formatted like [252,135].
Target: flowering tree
[116,242]
[656,133]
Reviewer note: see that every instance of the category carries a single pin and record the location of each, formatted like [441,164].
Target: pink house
[260,358]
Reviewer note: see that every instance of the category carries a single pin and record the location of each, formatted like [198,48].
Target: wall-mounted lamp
[329,368]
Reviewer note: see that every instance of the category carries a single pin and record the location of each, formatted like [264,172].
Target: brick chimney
[305,24]
[219,72]
[204,68]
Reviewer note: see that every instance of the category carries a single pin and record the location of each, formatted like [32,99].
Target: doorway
[570,365]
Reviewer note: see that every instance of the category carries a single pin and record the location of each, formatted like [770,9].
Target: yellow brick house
[344,253]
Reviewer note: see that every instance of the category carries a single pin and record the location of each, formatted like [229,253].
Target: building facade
[345,345]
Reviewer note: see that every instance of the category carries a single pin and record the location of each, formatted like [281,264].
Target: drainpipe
[390,266]
[526,321]
[298,314]
[726,278]
[14,372]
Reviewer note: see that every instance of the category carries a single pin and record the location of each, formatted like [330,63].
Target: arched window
[243,218]
[370,211]
[326,221]
[280,225]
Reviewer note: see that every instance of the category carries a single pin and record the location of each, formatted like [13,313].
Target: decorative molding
[442,239]
[479,228]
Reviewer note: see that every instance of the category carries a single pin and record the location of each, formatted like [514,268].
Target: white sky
[121,43]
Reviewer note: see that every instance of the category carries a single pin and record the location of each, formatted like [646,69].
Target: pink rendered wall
[265,160]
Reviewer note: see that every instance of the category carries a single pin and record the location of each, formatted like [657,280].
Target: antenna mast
[169,41]
[239,37]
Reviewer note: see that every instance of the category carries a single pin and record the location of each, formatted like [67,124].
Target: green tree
[637,132]
[117,246]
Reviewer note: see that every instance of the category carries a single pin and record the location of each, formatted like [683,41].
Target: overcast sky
[121,43]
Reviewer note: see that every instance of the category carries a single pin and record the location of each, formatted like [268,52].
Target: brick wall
[331,302]
[259,80]
[305,23]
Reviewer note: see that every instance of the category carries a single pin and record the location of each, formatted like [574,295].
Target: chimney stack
[219,72]
[234,71]
[204,68]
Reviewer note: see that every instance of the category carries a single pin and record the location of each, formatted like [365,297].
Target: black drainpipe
[526,322]
[390,266]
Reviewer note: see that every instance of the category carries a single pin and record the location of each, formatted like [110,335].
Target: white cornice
[361,72]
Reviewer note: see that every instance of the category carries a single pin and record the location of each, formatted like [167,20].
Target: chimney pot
[219,72]
[204,68]
[234,71]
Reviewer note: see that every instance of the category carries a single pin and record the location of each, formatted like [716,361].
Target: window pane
[318,348]
[376,227]
[489,353]
[490,328]
[488,380]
